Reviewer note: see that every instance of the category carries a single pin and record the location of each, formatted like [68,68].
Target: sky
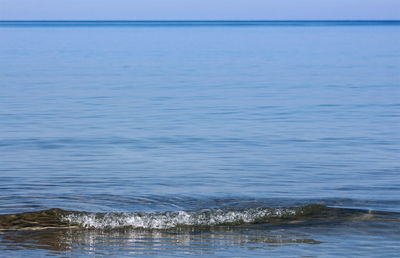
[199,9]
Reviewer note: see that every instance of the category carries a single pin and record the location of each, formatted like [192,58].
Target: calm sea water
[200,138]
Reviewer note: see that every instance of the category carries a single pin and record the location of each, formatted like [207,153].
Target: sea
[200,138]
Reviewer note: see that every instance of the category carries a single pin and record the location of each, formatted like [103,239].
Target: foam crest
[168,220]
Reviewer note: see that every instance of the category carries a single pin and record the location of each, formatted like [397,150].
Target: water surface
[152,119]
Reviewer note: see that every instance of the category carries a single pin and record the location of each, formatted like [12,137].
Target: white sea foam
[174,219]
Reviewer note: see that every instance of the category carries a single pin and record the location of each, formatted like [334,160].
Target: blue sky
[199,9]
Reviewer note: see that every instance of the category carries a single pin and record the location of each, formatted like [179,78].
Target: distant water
[203,138]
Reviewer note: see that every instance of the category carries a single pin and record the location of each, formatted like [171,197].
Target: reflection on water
[98,241]
[305,238]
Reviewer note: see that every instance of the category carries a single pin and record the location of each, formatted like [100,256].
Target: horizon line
[222,20]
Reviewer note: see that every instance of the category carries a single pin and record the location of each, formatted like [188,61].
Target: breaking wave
[57,218]
[167,220]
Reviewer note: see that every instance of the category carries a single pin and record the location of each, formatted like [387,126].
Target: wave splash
[168,220]
[57,218]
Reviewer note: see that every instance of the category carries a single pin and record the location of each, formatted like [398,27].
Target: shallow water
[200,118]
